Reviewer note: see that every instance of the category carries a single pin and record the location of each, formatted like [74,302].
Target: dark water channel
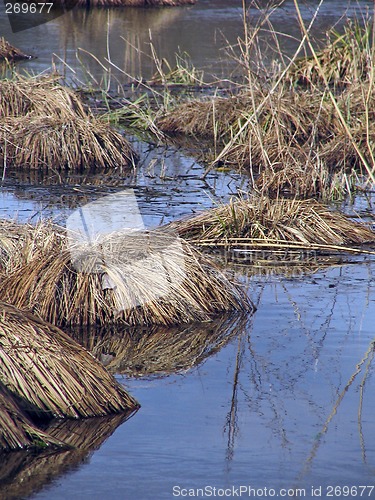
[278,404]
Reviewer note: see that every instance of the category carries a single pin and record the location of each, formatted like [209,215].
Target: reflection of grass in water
[158,350]
[370,357]
[27,472]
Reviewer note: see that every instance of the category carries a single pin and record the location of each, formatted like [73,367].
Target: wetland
[276,397]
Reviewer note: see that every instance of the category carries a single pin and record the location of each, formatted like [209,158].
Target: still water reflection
[112,46]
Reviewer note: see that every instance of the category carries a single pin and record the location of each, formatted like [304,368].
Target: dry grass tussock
[295,140]
[20,242]
[17,431]
[282,222]
[74,144]
[37,96]
[346,58]
[45,125]
[50,374]
[143,279]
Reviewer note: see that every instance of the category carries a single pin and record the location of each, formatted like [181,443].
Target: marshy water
[280,401]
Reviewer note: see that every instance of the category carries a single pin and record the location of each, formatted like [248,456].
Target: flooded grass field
[275,403]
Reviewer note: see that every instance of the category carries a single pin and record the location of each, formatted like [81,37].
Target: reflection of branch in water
[23,473]
[369,354]
[362,387]
[231,422]
[323,329]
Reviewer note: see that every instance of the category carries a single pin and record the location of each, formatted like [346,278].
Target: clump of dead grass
[17,431]
[300,141]
[21,96]
[292,142]
[51,375]
[55,143]
[142,279]
[261,221]
[20,242]
[45,125]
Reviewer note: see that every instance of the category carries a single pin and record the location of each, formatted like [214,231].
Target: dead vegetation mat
[44,125]
[10,53]
[51,375]
[283,223]
[169,282]
[291,141]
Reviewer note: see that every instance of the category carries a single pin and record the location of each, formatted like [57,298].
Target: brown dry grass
[39,96]
[17,431]
[20,242]
[88,289]
[53,143]
[51,374]
[300,141]
[347,58]
[281,222]
[44,125]
[292,142]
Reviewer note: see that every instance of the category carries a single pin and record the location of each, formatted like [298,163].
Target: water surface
[281,399]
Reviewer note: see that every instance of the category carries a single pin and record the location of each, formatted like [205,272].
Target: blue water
[282,424]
